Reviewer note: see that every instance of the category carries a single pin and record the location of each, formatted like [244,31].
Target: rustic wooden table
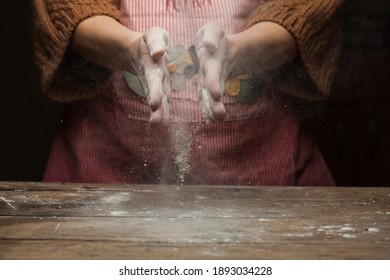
[81,221]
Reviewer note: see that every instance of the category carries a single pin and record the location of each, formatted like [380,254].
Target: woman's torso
[109,139]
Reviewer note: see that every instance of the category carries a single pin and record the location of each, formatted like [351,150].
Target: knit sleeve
[64,75]
[316,28]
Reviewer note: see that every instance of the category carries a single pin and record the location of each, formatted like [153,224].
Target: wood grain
[81,221]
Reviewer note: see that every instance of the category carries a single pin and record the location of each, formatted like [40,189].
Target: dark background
[352,129]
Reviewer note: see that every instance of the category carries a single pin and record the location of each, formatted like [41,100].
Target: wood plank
[68,249]
[146,201]
[196,230]
[189,221]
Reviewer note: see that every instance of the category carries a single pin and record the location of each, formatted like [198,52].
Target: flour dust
[181,143]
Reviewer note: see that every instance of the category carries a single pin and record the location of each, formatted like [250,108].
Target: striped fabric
[182,19]
[108,139]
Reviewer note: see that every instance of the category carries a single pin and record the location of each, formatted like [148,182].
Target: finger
[210,74]
[218,110]
[154,80]
[209,37]
[213,73]
[157,40]
[156,117]
[211,109]
[211,95]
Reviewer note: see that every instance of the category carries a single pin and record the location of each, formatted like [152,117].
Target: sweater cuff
[66,15]
[316,30]
[66,76]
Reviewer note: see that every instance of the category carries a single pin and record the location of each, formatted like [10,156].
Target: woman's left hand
[264,46]
[212,48]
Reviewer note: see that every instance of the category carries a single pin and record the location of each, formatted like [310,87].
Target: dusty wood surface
[75,221]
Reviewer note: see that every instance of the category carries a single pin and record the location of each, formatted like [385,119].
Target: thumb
[209,37]
[157,40]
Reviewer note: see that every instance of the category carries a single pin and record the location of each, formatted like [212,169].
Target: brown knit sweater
[67,77]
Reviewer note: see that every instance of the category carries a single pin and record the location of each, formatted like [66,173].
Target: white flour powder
[181,142]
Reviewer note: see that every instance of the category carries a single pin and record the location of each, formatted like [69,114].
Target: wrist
[104,41]
[261,47]
[130,52]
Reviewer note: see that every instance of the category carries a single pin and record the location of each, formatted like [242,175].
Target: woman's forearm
[263,46]
[104,41]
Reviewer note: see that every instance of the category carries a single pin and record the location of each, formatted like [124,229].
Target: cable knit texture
[67,77]
[317,30]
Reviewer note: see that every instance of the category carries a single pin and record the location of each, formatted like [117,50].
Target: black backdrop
[352,129]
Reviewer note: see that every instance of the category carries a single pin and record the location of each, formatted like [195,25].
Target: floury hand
[104,41]
[152,72]
[263,47]
[212,50]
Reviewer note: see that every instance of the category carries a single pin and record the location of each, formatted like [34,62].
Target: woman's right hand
[104,41]
[149,53]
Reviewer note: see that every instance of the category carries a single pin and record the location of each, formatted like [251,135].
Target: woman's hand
[264,46]
[105,41]
[212,48]
[148,54]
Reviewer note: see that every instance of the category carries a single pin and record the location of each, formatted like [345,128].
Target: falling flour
[181,142]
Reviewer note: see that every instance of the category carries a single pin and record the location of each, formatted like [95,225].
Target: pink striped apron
[108,139]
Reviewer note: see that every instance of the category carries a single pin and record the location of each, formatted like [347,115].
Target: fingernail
[156,49]
[210,46]
[218,110]
[156,117]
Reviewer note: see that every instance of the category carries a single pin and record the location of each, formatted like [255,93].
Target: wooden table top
[89,221]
